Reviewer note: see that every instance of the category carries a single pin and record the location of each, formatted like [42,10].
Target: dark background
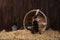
[13,11]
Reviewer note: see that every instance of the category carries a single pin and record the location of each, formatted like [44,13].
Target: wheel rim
[33,11]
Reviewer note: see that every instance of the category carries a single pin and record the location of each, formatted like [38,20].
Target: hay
[27,35]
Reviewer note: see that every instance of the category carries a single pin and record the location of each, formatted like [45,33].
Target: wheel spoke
[43,23]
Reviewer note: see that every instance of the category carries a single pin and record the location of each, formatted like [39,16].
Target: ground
[27,35]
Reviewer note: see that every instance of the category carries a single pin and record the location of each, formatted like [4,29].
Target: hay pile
[26,35]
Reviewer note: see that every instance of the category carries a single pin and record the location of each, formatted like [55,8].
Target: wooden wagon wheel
[30,14]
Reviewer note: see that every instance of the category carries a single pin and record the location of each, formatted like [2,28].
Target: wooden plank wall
[13,11]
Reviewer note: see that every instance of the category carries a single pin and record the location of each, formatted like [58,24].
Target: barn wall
[54,14]
[13,11]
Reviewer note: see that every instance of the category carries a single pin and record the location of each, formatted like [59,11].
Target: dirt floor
[27,35]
